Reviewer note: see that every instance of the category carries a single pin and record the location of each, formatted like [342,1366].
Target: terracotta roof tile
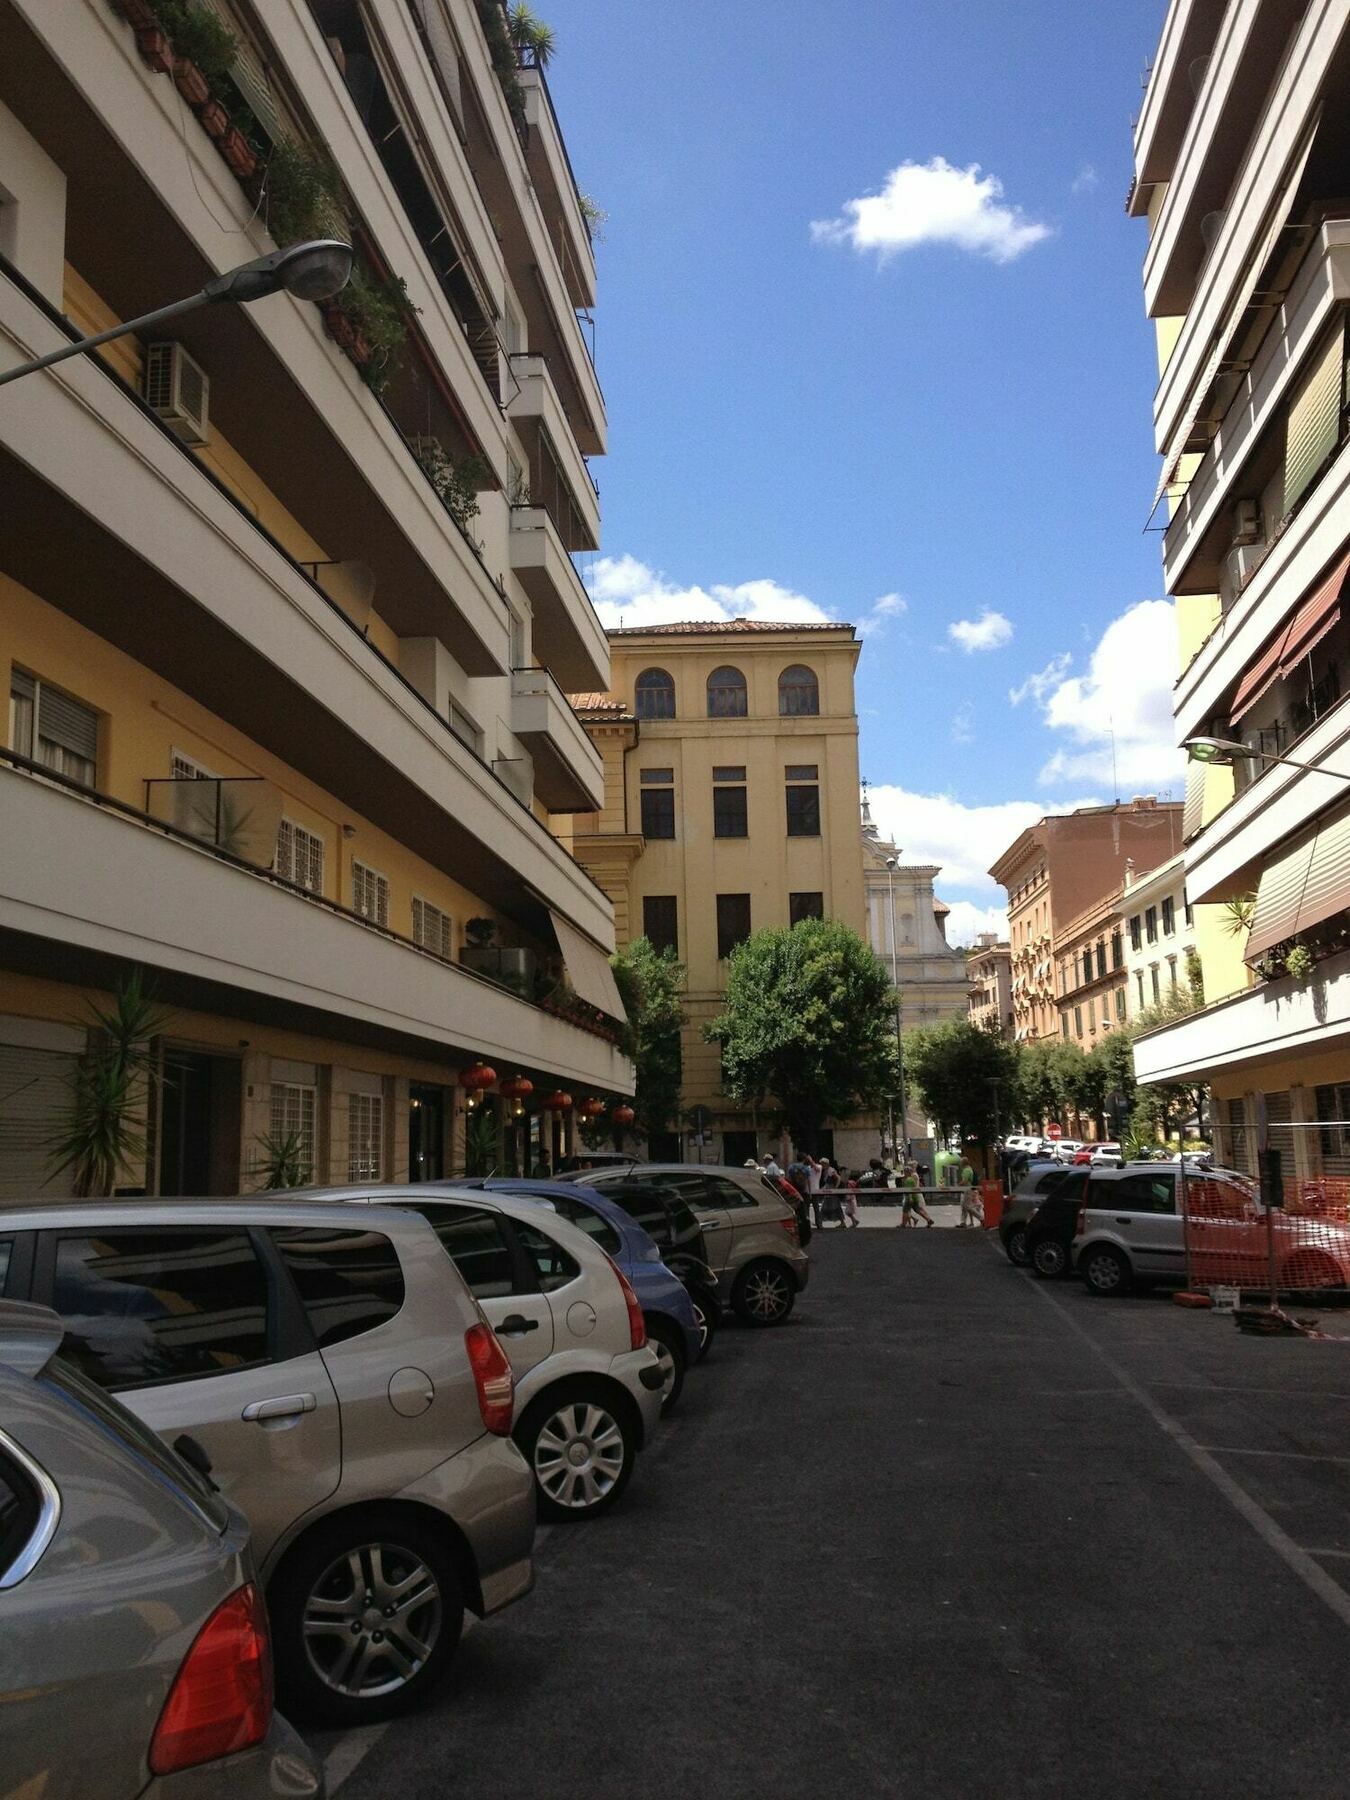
[723,627]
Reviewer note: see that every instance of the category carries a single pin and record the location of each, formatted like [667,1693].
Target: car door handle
[1120,1221]
[285,1406]
[517,1325]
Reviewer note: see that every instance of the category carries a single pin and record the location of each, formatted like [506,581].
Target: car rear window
[19,1511]
[1135,1193]
[554,1267]
[474,1242]
[145,1307]
[349,1282]
[587,1219]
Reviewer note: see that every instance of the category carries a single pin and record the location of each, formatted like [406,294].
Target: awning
[1305,885]
[1309,625]
[588,968]
[1177,448]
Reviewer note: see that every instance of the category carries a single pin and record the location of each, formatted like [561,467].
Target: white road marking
[350,1751]
[1329,1553]
[1287,1455]
[1297,1560]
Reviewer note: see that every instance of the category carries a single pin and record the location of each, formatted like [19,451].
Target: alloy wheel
[579,1455]
[701,1323]
[371,1620]
[665,1358]
[1103,1272]
[767,1295]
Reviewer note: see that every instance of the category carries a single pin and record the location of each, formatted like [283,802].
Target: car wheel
[1310,1269]
[764,1293]
[1050,1259]
[581,1448]
[667,1340]
[707,1316]
[1105,1270]
[1016,1246]
[366,1613]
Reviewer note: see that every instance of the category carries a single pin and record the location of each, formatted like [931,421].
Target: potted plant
[282,1163]
[377,314]
[237,151]
[156,51]
[139,14]
[301,193]
[456,479]
[532,38]
[102,1135]
[1298,962]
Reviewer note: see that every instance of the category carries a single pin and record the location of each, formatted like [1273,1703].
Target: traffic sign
[1054,1132]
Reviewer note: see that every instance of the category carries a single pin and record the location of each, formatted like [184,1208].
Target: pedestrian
[850,1201]
[541,1171]
[830,1183]
[911,1205]
[813,1190]
[799,1174]
[771,1168]
[972,1209]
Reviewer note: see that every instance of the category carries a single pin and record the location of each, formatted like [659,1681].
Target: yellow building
[731,803]
[286,626]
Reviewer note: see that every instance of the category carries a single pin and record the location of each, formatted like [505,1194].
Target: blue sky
[937,399]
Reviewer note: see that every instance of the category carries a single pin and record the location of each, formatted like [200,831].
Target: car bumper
[280,1768]
[628,1369]
[489,1492]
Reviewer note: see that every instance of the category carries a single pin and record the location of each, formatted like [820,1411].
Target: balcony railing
[239,813]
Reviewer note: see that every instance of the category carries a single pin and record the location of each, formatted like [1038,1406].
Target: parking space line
[350,1751]
[1296,1559]
[1289,1455]
[1344,1553]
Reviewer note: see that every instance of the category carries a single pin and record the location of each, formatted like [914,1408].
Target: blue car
[672,1328]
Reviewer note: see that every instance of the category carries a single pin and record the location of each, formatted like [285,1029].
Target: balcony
[567,486]
[569,775]
[1188,34]
[112,887]
[556,186]
[568,637]
[1282,1018]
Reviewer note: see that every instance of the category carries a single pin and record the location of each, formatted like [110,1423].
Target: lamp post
[892,863]
[1222,753]
[315,270]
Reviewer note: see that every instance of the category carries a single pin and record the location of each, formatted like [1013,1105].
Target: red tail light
[221,1698]
[1080,1230]
[493,1378]
[637,1325]
[790,1226]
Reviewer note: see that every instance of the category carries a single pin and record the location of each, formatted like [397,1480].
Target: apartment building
[1242,155]
[1055,872]
[1090,973]
[989,974]
[1158,924]
[731,803]
[287,606]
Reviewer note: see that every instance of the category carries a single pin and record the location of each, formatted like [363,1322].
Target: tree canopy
[966,1078]
[808,1023]
[651,985]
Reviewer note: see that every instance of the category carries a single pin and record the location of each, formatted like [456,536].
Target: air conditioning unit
[1247,527]
[179,390]
[1240,564]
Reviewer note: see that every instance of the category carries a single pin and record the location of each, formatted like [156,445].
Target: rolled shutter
[1192,813]
[1314,419]
[66,722]
[1306,885]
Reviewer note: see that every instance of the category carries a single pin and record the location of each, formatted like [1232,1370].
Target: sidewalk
[887,1218]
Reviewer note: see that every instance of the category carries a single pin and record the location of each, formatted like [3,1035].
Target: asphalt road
[948,1533]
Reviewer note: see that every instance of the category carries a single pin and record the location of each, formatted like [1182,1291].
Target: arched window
[726,693]
[654,695]
[798,691]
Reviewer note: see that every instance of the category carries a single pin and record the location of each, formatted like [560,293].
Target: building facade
[907,927]
[1090,973]
[1056,872]
[1245,112]
[287,606]
[1159,931]
[989,995]
[731,803]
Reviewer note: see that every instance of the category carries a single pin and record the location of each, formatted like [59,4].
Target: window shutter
[285,857]
[21,686]
[1314,420]
[1192,813]
[64,721]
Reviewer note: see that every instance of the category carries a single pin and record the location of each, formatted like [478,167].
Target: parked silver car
[749,1230]
[588,1386]
[127,1596]
[353,1401]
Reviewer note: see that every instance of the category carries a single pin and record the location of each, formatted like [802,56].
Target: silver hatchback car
[749,1231]
[354,1402]
[127,1596]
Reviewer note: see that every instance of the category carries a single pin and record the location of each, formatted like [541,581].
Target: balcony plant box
[190,82]
[215,120]
[139,14]
[156,51]
[235,148]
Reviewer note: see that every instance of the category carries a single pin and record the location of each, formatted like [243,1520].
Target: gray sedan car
[127,1597]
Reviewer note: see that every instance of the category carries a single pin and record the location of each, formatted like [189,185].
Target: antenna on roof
[1115,779]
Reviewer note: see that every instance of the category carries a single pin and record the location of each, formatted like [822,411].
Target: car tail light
[221,1698]
[492,1376]
[790,1226]
[637,1325]
[1080,1229]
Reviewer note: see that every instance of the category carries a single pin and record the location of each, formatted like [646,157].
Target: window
[142,1307]
[1139,977]
[1172,973]
[658,802]
[1135,1193]
[291,1113]
[726,694]
[6,1252]
[586,1219]
[1136,935]
[1101,959]
[1153,976]
[433,929]
[805,906]
[475,1243]
[730,814]
[1235,1130]
[803,800]
[52,728]
[365,1137]
[21,1514]
[1151,924]
[463,726]
[1117,951]
[798,692]
[733,922]
[348,1281]
[187,768]
[553,1266]
[1120,1003]
[1186,911]
[370,893]
[654,695]
[730,1194]
[299,856]
[1064,1023]
[660,921]
[1078,1021]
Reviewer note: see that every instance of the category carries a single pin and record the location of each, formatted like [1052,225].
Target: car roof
[285,1206]
[450,1193]
[29,1336]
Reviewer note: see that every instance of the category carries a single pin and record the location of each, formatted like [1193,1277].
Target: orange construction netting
[1230,1242]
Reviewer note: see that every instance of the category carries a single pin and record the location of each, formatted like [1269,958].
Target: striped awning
[1303,886]
[588,968]
[1311,622]
[1192,812]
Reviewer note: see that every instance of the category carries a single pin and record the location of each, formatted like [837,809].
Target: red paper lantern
[477,1077]
[558,1102]
[515,1087]
[592,1108]
[623,1115]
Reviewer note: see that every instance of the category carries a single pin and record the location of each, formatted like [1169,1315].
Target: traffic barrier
[1232,1240]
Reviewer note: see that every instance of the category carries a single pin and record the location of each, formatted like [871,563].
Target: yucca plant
[282,1161]
[482,1148]
[533,39]
[102,1134]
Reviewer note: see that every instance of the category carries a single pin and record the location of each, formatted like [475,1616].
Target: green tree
[651,985]
[102,1133]
[808,1022]
[1048,1078]
[967,1079]
[1163,1107]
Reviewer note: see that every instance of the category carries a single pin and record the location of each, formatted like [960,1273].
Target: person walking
[771,1167]
[813,1190]
[830,1183]
[912,1207]
[849,1197]
[972,1210]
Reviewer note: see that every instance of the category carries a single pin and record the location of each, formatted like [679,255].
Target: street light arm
[83,345]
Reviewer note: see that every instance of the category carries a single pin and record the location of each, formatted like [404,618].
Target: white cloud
[1126,689]
[962,840]
[989,632]
[966,921]
[933,203]
[963,724]
[888,606]
[1085,181]
[629,592]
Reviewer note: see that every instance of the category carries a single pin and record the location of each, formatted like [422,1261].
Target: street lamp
[1224,752]
[892,863]
[315,270]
